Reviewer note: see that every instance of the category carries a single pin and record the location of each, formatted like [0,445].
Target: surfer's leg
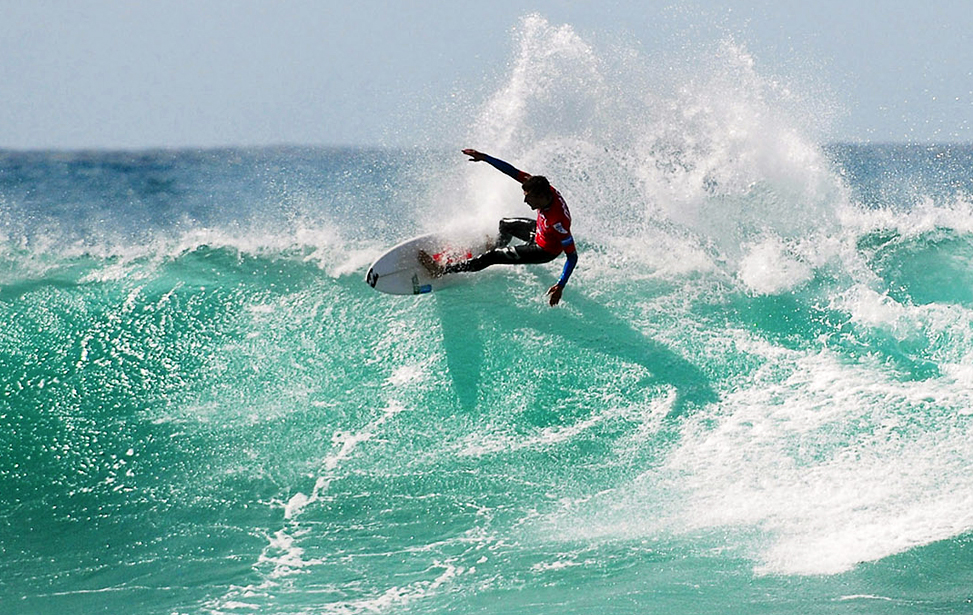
[521,228]
[528,254]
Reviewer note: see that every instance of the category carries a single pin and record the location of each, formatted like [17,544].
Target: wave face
[754,396]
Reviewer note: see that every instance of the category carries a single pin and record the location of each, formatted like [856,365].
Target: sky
[201,73]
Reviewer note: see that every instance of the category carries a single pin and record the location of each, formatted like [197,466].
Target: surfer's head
[537,192]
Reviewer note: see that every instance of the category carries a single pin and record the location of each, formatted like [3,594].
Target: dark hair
[537,184]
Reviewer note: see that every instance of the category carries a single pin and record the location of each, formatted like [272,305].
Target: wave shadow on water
[583,322]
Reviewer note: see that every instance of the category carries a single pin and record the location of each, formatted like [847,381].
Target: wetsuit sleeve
[507,168]
[569,266]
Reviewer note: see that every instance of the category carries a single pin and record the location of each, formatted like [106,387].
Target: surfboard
[398,272]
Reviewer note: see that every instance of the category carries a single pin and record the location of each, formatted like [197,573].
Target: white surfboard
[398,272]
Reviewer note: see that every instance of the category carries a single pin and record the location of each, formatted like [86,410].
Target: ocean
[755,396]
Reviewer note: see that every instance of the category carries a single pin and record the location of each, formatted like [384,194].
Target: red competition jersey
[553,224]
[554,227]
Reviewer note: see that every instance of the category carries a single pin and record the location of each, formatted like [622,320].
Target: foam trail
[346,443]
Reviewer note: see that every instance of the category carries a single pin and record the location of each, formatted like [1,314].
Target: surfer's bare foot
[429,264]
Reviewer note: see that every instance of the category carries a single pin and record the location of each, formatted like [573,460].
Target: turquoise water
[754,398]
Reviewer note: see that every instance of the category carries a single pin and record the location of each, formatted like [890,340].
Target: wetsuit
[546,237]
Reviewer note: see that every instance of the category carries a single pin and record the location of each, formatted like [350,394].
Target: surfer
[546,237]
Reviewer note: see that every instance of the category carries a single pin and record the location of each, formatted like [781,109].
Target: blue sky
[128,74]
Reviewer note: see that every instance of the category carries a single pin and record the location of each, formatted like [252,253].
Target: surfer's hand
[473,154]
[554,293]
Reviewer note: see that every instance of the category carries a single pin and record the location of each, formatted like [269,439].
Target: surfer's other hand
[473,154]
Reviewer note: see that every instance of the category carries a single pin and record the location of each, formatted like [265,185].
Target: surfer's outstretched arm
[504,167]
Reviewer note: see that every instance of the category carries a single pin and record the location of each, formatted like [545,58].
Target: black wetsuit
[528,253]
